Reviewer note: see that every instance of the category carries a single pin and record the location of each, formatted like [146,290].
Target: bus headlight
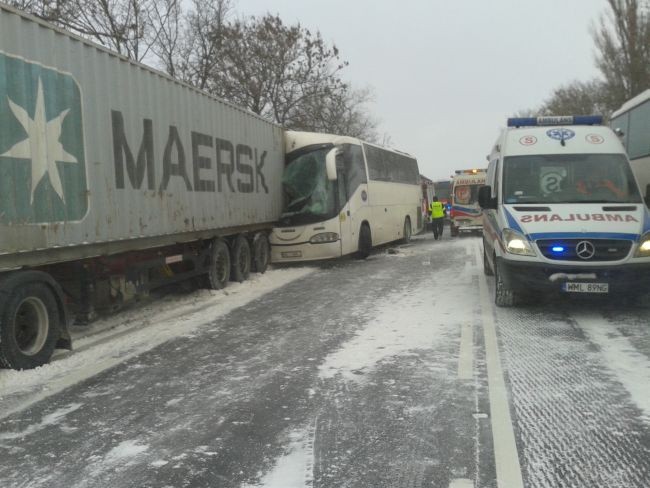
[643,251]
[324,237]
[516,243]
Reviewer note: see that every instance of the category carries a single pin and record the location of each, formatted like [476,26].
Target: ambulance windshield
[569,178]
[309,196]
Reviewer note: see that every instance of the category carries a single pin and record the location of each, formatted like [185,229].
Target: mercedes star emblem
[585,250]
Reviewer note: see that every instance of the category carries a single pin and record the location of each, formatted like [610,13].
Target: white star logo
[42,145]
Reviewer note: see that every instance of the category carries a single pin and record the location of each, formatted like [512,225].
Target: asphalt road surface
[397,371]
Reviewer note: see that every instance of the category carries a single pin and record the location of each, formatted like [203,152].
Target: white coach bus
[344,196]
[632,123]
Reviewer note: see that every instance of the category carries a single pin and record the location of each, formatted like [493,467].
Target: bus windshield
[309,195]
[569,178]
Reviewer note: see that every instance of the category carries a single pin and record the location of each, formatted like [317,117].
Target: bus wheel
[486,264]
[365,242]
[29,326]
[454,230]
[261,253]
[241,259]
[219,265]
[503,296]
[407,231]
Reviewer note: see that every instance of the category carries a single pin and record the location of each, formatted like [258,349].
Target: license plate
[291,254]
[586,287]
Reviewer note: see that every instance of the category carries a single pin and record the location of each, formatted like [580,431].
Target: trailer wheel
[29,326]
[365,242]
[261,253]
[407,231]
[219,266]
[241,259]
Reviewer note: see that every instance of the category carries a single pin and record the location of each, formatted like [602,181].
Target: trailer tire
[261,253]
[408,231]
[29,326]
[365,242]
[219,265]
[241,259]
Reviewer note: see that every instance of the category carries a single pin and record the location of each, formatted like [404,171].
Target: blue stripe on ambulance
[469,210]
[512,222]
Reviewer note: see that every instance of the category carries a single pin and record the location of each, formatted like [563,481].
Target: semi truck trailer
[116,179]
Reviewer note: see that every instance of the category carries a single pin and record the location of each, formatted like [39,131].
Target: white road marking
[506,457]
[466,354]
[461,483]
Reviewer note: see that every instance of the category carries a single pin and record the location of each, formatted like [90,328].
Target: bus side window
[638,145]
[355,169]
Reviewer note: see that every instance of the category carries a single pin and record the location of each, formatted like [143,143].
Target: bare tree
[344,112]
[166,17]
[577,98]
[200,50]
[274,69]
[49,10]
[623,41]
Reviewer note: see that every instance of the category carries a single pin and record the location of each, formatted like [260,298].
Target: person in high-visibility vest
[438,211]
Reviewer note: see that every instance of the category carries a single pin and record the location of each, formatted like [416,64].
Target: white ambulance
[562,212]
[465,215]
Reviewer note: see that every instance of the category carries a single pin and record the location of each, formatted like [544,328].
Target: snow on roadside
[632,368]
[131,333]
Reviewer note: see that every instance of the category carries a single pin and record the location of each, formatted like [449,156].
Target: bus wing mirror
[330,164]
[647,195]
[485,199]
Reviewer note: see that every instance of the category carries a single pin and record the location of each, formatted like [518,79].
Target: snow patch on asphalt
[127,449]
[632,368]
[51,419]
[131,333]
[406,320]
[294,469]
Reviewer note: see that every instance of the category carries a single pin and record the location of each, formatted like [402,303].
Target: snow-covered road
[392,372]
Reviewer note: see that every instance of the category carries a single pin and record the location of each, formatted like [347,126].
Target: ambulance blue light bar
[555,120]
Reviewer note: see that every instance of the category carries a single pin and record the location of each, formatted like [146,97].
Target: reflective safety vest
[437,211]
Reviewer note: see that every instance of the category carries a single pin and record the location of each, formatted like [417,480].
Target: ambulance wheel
[503,296]
[261,253]
[241,260]
[365,242]
[407,231]
[486,264]
[219,265]
[29,326]
[454,230]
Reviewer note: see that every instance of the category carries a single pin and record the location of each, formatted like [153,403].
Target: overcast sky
[447,74]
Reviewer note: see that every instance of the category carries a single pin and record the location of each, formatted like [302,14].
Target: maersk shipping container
[95,149]
[115,179]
